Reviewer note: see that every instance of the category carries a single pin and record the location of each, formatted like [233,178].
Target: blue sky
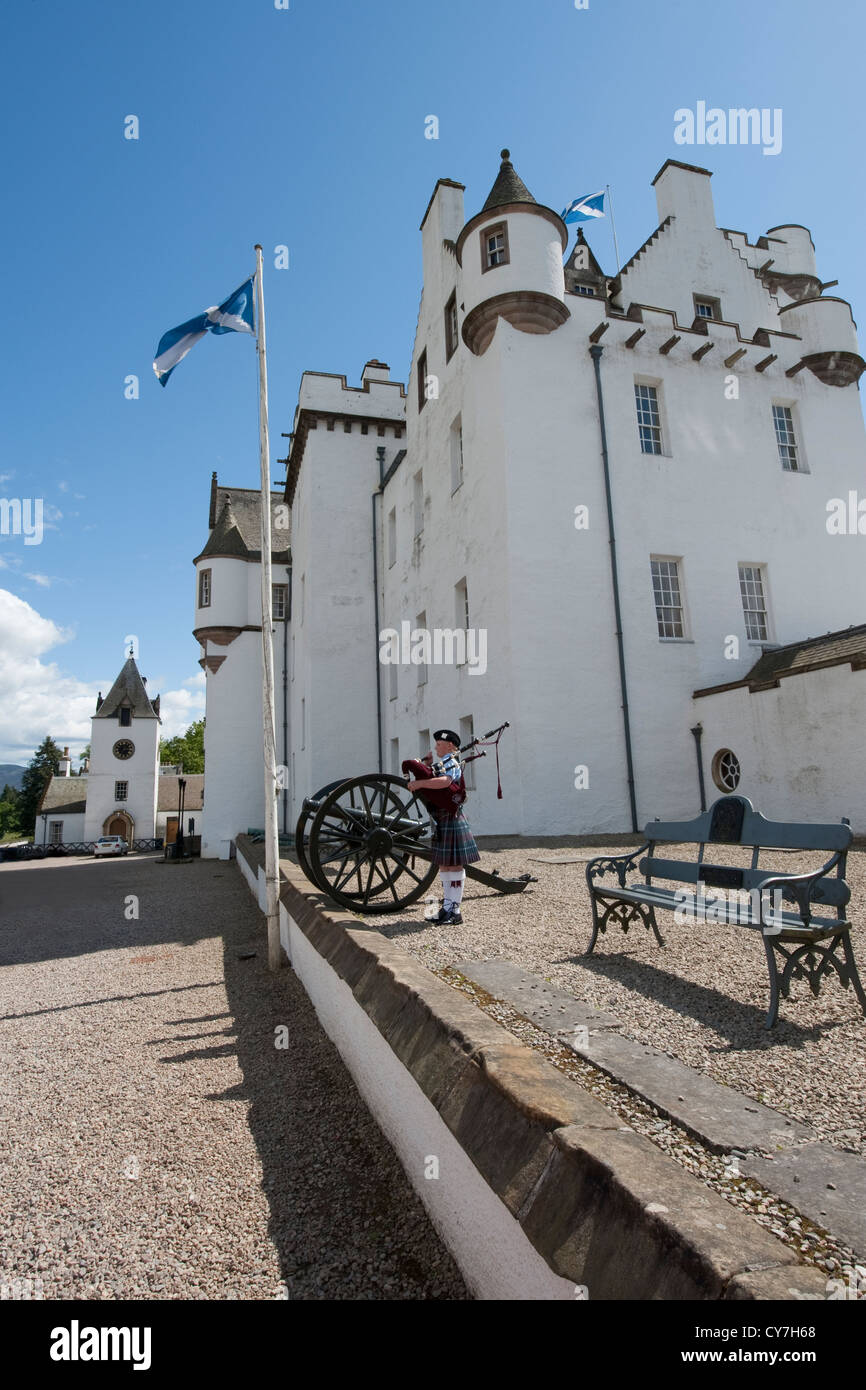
[306,127]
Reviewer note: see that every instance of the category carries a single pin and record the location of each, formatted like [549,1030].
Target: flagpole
[272,845]
[613,228]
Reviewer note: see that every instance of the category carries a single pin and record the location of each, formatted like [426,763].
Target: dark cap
[447,736]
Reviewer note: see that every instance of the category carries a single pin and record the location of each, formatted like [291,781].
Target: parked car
[111,844]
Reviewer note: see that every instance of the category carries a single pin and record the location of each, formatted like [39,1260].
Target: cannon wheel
[302,835]
[367,835]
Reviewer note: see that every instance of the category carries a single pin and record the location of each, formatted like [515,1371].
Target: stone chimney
[65,768]
[683,191]
[376,371]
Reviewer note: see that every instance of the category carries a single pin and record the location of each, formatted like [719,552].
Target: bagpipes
[452,798]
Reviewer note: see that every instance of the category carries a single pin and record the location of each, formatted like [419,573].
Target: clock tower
[124,761]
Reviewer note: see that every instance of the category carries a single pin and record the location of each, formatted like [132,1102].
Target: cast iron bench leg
[848,951]
[773,1012]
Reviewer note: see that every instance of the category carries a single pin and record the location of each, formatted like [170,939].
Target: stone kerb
[601,1205]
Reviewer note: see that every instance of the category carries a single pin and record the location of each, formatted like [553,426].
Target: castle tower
[228,627]
[124,761]
[510,254]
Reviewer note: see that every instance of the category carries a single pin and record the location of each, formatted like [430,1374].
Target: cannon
[366,843]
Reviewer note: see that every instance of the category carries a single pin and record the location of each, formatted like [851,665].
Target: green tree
[9,811]
[185,748]
[45,761]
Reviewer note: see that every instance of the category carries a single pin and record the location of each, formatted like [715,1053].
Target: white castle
[638,496]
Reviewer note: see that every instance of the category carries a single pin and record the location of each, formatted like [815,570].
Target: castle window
[754,602]
[786,439]
[706,308]
[392,681]
[667,594]
[451,338]
[584,289]
[392,537]
[279,601]
[726,770]
[121,791]
[204,589]
[55,832]
[494,246]
[456,454]
[422,380]
[125,718]
[418,501]
[648,418]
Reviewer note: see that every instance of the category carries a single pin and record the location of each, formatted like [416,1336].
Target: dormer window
[125,718]
[706,308]
[494,246]
[584,289]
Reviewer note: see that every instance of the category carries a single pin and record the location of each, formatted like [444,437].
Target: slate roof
[66,794]
[129,690]
[508,188]
[235,526]
[848,646]
[193,797]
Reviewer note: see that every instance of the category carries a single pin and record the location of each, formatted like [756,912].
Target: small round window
[726,770]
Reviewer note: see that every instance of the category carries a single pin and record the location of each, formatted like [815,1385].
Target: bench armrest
[798,886]
[619,864]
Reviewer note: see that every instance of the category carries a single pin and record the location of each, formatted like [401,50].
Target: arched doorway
[120,823]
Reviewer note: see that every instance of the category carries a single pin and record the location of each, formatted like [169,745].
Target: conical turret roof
[508,188]
[226,538]
[128,690]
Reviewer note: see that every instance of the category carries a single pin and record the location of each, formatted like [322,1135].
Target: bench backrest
[733,820]
[832,891]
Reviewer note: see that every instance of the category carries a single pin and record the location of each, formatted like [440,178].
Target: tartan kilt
[453,842]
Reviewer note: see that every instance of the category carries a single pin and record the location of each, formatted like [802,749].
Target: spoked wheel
[302,830]
[369,845]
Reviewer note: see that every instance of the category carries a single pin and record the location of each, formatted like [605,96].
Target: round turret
[511,257]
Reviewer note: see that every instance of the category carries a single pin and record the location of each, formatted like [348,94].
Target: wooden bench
[779,904]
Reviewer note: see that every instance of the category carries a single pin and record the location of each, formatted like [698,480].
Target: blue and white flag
[234,315]
[585,208]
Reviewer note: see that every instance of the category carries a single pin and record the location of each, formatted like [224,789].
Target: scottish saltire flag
[585,208]
[234,315]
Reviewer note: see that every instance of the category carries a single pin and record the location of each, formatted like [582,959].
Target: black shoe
[454,919]
[443,916]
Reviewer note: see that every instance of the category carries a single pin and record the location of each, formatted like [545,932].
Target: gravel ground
[155,1142]
[701,999]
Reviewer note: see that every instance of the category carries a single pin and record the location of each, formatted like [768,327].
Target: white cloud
[36,697]
[43,580]
[64,487]
[6,478]
[197,682]
[180,708]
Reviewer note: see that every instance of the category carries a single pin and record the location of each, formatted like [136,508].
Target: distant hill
[11,774]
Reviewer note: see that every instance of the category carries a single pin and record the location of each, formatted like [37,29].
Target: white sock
[446,889]
[455,886]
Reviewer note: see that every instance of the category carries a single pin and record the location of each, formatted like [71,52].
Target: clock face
[123,748]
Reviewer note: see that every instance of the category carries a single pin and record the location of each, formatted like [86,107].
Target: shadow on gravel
[53,910]
[742,1023]
[344,1219]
